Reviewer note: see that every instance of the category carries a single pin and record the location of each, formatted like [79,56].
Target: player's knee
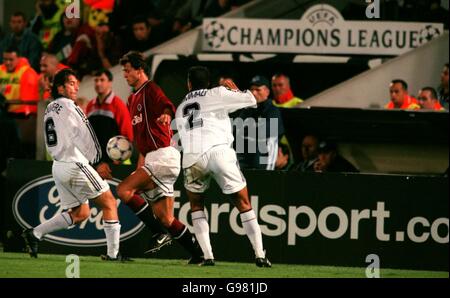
[124,193]
[242,203]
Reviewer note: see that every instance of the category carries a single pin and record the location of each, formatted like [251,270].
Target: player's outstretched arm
[228,83]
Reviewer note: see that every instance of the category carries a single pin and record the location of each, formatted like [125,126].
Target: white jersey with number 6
[69,136]
[202,120]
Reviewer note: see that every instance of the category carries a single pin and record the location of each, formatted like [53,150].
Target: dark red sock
[136,203]
[145,214]
[176,228]
[182,235]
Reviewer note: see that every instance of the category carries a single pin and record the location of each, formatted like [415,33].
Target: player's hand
[230,84]
[164,119]
[104,171]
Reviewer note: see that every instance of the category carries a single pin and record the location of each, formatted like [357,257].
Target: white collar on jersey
[142,87]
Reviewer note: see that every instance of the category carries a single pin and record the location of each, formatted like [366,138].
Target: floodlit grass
[21,265]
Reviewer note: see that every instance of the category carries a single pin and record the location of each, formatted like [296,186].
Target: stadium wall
[326,219]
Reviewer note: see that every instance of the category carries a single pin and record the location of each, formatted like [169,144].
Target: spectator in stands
[284,161]
[190,15]
[309,153]
[47,21]
[443,88]
[282,92]
[435,13]
[262,130]
[123,14]
[109,46]
[216,8]
[329,160]
[144,36]
[76,46]
[164,14]
[49,67]
[400,98]
[108,115]
[98,11]
[18,81]
[25,40]
[428,99]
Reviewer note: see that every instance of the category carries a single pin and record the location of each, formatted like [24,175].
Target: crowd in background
[36,48]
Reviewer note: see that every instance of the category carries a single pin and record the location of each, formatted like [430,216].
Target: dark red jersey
[146,105]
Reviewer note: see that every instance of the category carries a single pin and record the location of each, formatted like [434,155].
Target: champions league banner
[305,218]
[321,30]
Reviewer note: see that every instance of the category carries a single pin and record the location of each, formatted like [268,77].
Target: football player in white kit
[204,128]
[73,145]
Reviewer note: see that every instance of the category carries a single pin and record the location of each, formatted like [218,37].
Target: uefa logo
[38,201]
[428,33]
[215,34]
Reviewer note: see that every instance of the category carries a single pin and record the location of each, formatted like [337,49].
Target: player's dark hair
[198,76]
[432,91]
[136,61]
[106,72]
[61,77]
[402,82]
[446,64]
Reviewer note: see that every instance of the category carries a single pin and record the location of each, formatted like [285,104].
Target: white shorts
[77,183]
[220,163]
[163,167]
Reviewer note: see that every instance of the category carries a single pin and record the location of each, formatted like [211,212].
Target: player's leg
[111,224]
[201,226]
[127,192]
[58,222]
[88,185]
[227,174]
[251,226]
[75,210]
[196,182]
[163,209]
[163,167]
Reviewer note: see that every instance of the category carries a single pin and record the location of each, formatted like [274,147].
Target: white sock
[201,230]
[112,232]
[58,222]
[253,231]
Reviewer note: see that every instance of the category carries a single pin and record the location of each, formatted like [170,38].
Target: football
[119,148]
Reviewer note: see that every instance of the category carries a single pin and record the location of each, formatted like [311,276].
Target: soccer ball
[215,34]
[428,33]
[119,148]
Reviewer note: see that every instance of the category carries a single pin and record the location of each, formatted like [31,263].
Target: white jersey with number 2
[202,120]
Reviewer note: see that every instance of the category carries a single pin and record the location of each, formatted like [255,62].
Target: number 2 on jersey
[192,111]
[50,133]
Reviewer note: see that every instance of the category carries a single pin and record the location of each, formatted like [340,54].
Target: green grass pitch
[21,265]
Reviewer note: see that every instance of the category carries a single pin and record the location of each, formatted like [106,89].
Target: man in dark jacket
[331,161]
[257,137]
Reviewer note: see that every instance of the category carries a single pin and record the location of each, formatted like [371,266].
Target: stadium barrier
[310,218]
